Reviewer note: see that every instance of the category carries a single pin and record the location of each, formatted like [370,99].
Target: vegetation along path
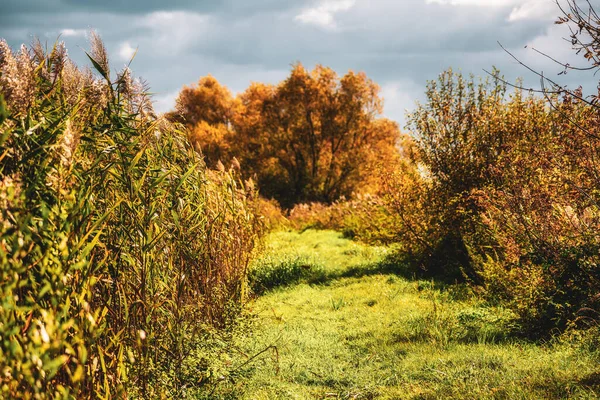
[335,320]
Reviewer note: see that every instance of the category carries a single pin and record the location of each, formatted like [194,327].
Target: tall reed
[117,243]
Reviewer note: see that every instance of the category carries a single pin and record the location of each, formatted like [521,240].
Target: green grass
[359,334]
[312,256]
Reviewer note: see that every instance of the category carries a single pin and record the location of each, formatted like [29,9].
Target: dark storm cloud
[399,44]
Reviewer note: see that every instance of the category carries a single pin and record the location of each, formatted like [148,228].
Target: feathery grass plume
[73,81]
[249,185]
[26,88]
[68,144]
[96,94]
[58,59]
[5,53]
[17,79]
[236,164]
[39,53]
[8,69]
[141,99]
[50,65]
[99,55]
[61,177]
[136,94]
[125,83]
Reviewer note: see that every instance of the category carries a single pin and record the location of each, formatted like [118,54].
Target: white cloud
[480,3]
[533,9]
[73,32]
[175,31]
[126,51]
[521,9]
[398,98]
[165,102]
[323,15]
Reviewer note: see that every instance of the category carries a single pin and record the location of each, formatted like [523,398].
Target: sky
[400,44]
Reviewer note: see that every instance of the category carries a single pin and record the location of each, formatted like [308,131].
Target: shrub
[512,200]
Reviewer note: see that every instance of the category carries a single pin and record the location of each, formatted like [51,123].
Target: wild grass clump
[292,257]
[117,243]
[272,272]
[441,326]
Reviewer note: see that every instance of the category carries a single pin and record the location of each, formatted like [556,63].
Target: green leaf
[98,67]
[3,110]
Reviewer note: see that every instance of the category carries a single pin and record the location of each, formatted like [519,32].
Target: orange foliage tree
[313,137]
[206,109]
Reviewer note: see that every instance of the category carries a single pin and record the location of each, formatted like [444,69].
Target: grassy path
[358,333]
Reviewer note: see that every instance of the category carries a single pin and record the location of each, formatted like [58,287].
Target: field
[360,333]
[290,240]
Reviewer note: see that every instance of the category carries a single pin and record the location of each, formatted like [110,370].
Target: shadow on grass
[395,264]
[392,264]
[275,274]
[592,381]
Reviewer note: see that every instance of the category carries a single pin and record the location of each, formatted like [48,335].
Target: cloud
[173,32]
[532,9]
[165,102]
[126,51]
[73,32]
[323,14]
[400,44]
[479,3]
[520,9]
[399,97]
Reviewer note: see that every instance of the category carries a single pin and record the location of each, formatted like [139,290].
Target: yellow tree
[252,145]
[315,134]
[313,137]
[206,109]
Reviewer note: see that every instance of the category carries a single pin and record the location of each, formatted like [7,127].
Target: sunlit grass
[379,336]
[324,247]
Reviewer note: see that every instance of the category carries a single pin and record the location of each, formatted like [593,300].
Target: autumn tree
[253,145]
[206,109]
[314,136]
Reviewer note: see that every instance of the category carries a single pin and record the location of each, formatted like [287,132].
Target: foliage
[373,215]
[207,109]
[207,101]
[313,137]
[511,201]
[545,222]
[117,243]
[273,217]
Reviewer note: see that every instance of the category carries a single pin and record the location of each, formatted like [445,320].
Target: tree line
[313,137]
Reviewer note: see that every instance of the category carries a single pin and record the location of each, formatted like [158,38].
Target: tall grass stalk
[117,244]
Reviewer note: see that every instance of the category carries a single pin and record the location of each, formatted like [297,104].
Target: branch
[541,75]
